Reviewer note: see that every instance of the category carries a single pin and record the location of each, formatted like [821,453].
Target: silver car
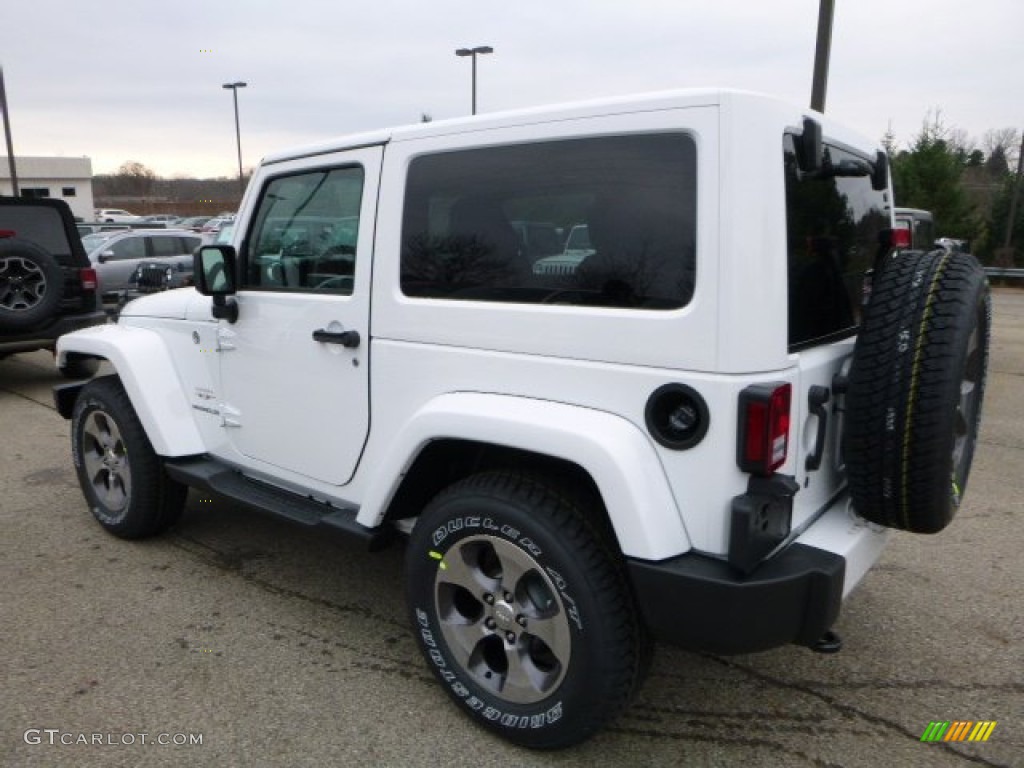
[116,255]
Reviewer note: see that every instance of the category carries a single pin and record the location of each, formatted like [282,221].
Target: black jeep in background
[47,284]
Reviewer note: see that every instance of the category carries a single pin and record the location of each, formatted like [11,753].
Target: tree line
[138,188]
[967,185]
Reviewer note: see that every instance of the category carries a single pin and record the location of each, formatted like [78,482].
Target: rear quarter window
[497,224]
[834,236]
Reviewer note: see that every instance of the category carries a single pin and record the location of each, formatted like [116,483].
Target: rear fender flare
[616,454]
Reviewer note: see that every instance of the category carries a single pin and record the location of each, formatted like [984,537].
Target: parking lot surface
[275,646]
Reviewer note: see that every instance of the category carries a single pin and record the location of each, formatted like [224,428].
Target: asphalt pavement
[237,640]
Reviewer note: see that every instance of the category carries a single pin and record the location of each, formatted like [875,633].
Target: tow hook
[830,642]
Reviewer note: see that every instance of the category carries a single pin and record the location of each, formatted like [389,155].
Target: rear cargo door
[834,228]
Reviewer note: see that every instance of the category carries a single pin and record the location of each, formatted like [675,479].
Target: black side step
[211,475]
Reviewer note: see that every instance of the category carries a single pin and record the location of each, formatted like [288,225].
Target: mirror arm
[224,308]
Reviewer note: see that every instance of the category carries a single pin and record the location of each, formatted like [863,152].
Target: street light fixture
[480,49]
[238,134]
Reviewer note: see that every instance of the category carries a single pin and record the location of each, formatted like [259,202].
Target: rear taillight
[87,277]
[900,238]
[763,439]
[7,233]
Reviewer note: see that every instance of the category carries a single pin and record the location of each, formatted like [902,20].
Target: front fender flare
[144,364]
[613,451]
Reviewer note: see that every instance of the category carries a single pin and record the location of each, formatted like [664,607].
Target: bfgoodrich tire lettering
[916,388]
[522,610]
[122,478]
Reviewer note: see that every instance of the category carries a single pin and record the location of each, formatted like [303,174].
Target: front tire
[523,610]
[122,478]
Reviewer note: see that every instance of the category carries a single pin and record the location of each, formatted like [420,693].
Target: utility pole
[822,53]
[7,134]
[1016,194]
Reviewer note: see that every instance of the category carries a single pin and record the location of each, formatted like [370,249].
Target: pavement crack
[847,709]
[234,564]
[739,741]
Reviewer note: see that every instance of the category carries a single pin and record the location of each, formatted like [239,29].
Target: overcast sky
[119,80]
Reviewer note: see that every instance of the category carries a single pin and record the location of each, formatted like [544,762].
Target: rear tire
[523,610]
[916,389]
[122,478]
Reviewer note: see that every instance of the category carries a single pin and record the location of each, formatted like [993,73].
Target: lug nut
[511,637]
[508,597]
[521,620]
[489,598]
[489,623]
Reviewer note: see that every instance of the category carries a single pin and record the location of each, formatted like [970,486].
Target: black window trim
[242,261]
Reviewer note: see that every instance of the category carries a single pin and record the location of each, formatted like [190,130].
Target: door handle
[817,396]
[348,339]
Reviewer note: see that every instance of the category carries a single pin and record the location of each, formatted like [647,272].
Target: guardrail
[1008,274]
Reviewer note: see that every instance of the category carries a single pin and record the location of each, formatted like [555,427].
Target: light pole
[480,49]
[238,133]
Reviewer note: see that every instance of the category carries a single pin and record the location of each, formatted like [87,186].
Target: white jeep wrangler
[697,430]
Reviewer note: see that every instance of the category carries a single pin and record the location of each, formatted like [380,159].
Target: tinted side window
[164,245]
[305,232]
[494,224]
[834,226]
[129,248]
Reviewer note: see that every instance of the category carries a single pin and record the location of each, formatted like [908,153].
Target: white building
[64,178]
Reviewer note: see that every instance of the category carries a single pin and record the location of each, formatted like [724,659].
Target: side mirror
[106,256]
[880,173]
[214,272]
[810,147]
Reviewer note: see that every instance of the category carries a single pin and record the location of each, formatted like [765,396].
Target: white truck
[699,433]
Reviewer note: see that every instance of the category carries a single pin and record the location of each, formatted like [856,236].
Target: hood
[175,304]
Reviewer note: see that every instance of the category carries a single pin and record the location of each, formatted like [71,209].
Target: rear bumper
[46,337]
[702,603]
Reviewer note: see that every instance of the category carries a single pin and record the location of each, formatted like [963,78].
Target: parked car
[47,284]
[914,229]
[116,255]
[115,215]
[702,435]
[195,223]
[215,224]
[221,237]
[167,219]
[85,229]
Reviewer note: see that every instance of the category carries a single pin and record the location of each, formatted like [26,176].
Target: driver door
[294,370]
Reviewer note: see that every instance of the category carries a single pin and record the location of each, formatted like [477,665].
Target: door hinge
[225,339]
[230,417]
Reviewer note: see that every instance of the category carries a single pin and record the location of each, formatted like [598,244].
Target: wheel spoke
[523,679]
[459,567]
[553,631]
[463,638]
[515,564]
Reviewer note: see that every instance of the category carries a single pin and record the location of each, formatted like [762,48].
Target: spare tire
[916,386]
[31,284]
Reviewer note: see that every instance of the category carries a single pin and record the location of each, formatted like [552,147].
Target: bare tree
[1001,146]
